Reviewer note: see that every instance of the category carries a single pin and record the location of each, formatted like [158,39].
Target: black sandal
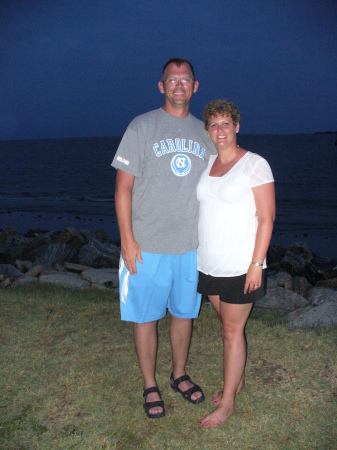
[149,405]
[187,394]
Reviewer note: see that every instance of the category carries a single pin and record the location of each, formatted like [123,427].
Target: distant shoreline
[5,141]
[22,222]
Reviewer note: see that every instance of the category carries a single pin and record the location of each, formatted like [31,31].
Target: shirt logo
[180,130]
[122,160]
[181,165]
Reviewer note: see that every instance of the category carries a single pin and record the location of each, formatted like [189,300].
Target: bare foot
[216,399]
[218,416]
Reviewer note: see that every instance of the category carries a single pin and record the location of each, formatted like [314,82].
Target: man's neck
[176,112]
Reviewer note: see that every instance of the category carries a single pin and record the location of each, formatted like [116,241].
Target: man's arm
[123,204]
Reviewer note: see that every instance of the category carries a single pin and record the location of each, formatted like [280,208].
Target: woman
[237,211]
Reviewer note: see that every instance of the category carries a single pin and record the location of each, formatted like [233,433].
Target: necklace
[238,148]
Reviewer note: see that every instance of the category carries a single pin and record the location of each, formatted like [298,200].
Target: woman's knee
[231,331]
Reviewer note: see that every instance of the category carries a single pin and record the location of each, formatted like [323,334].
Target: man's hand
[130,253]
[123,202]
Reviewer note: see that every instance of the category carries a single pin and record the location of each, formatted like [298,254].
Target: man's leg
[145,337]
[180,334]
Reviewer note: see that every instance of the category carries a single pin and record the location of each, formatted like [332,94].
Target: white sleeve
[260,172]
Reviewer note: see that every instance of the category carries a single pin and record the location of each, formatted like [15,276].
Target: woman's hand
[253,279]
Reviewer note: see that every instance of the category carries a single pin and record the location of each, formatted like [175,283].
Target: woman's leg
[215,302]
[233,320]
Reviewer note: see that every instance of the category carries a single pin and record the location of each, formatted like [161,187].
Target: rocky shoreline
[299,284]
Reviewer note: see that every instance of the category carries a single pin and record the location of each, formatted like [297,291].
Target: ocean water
[55,183]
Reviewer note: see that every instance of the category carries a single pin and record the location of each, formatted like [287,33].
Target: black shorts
[230,289]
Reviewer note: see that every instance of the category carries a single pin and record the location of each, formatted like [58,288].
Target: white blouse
[227,219]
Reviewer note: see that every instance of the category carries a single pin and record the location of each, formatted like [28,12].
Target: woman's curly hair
[221,107]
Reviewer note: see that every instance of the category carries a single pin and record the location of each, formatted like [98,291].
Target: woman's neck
[228,155]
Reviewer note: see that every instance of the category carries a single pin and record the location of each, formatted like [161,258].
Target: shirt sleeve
[260,172]
[128,157]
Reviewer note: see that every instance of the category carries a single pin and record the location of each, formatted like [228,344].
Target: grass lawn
[69,379]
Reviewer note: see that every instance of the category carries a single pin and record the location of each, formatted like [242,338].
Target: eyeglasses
[183,80]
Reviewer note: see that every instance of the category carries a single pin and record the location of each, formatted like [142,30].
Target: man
[159,162]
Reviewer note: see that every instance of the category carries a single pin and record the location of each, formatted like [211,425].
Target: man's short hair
[221,107]
[178,62]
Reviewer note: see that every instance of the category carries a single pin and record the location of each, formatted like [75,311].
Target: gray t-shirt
[167,156]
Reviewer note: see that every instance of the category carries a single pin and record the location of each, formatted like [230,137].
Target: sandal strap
[150,405]
[177,381]
[150,390]
[191,391]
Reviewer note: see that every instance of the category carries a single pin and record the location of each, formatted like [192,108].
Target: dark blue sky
[73,68]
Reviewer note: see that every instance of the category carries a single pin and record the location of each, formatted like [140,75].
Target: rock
[275,255]
[6,282]
[34,232]
[60,268]
[34,271]
[296,257]
[85,234]
[24,280]
[323,315]
[322,310]
[82,260]
[10,271]
[283,279]
[13,248]
[299,285]
[67,280]
[98,255]
[317,296]
[103,236]
[327,283]
[277,278]
[37,244]
[46,268]
[301,249]
[282,300]
[7,232]
[23,266]
[71,237]
[65,236]
[102,277]
[57,254]
[320,269]
[103,288]
[77,268]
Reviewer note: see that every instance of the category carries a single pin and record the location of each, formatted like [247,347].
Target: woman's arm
[264,197]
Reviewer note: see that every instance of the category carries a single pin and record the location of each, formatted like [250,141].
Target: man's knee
[145,326]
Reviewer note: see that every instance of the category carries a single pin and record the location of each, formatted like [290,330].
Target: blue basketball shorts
[162,282]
